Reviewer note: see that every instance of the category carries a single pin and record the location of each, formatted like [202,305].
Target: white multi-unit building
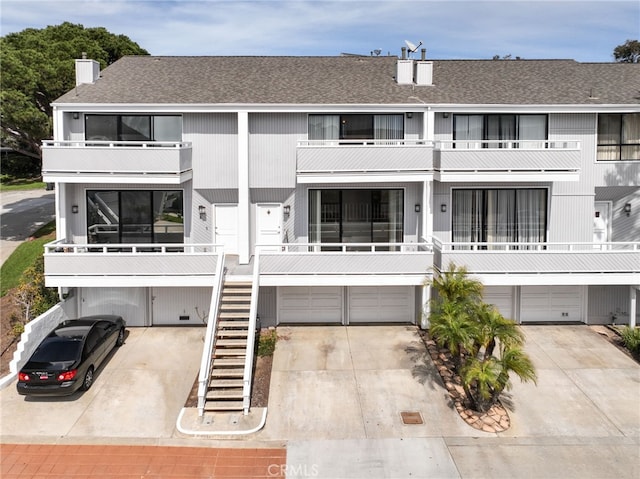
[339,184]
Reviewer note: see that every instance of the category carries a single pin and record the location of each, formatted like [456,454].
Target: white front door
[601,222]
[226,227]
[268,225]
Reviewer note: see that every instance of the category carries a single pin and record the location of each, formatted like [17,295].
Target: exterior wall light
[76,115]
[286,211]
[627,208]
[202,211]
[416,208]
[443,208]
[409,114]
[74,209]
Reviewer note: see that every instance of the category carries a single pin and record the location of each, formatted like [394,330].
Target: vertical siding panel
[215,149]
[267,306]
[272,148]
[413,127]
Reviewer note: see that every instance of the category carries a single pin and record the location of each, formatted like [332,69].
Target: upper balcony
[157,162]
[544,263]
[512,161]
[345,264]
[136,264]
[349,161]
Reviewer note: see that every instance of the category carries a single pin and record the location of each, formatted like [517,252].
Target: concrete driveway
[138,394]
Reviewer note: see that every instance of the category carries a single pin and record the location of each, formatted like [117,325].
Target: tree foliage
[628,52]
[485,346]
[38,66]
[32,296]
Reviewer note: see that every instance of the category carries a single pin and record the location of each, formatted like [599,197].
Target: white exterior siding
[180,306]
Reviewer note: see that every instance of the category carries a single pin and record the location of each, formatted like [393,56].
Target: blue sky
[580,29]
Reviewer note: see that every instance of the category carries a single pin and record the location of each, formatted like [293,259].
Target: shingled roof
[356,80]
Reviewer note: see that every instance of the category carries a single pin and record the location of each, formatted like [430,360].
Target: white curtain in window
[388,127]
[531,216]
[467,216]
[499,224]
[324,127]
[468,127]
[609,136]
[631,136]
[531,128]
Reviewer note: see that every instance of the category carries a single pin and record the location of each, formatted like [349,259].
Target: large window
[499,215]
[356,216]
[133,128]
[135,216]
[356,127]
[506,131]
[618,136]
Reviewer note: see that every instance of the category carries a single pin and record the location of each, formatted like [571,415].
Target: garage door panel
[130,303]
[501,297]
[373,304]
[552,303]
[300,304]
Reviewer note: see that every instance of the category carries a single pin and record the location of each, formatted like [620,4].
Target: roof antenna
[412,48]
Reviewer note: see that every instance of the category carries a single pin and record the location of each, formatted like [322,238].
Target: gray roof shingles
[356,80]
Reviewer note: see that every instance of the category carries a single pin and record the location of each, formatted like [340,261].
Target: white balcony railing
[493,160]
[540,258]
[168,162]
[130,264]
[366,142]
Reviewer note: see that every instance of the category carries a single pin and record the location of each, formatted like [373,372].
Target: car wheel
[120,340]
[88,380]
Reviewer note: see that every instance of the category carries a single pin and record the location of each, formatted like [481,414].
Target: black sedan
[67,359]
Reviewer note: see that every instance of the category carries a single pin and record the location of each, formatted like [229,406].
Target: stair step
[235,307]
[232,333]
[234,323]
[223,406]
[234,299]
[234,290]
[246,284]
[227,372]
[236,361]
[225,383]
[231,343]
[234,393]
[227,315]
[226,352]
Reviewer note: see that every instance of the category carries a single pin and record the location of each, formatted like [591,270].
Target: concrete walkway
[335,403]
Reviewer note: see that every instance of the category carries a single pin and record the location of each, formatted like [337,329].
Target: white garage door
[501,297]
[552,303]
[381,304]
[130,303]
[310,304]
[181,306]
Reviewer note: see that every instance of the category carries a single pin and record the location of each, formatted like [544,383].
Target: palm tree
[513,360]
[479,380]
[452,327]
[494,328]
[453,285]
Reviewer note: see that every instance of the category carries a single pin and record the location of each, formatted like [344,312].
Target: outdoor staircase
[225,390]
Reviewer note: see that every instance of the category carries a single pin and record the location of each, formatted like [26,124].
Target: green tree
[628,52]
[32,296]
[37,67]
[486,347]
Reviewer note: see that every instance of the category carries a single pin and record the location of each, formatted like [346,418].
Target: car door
[106,340]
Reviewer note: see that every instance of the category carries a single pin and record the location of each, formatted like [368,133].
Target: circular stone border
[494,420]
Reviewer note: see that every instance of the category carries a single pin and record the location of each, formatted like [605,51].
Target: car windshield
[57,351]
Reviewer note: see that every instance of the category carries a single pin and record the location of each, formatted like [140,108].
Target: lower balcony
[167,163]
[345,264]
[544,263]
[94,265]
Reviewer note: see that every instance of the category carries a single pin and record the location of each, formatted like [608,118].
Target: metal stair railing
[251,335]
[210,336]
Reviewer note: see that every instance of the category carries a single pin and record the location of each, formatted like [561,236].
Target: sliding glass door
[356,216]
[499,216]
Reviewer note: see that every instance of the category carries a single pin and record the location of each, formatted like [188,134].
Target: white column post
[244,204]
[426,309]
[633,295]
[427,211]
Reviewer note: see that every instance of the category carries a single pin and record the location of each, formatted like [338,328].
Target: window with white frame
[500,131]
[356,127]
[618,136]
[133,127]
[499,215]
